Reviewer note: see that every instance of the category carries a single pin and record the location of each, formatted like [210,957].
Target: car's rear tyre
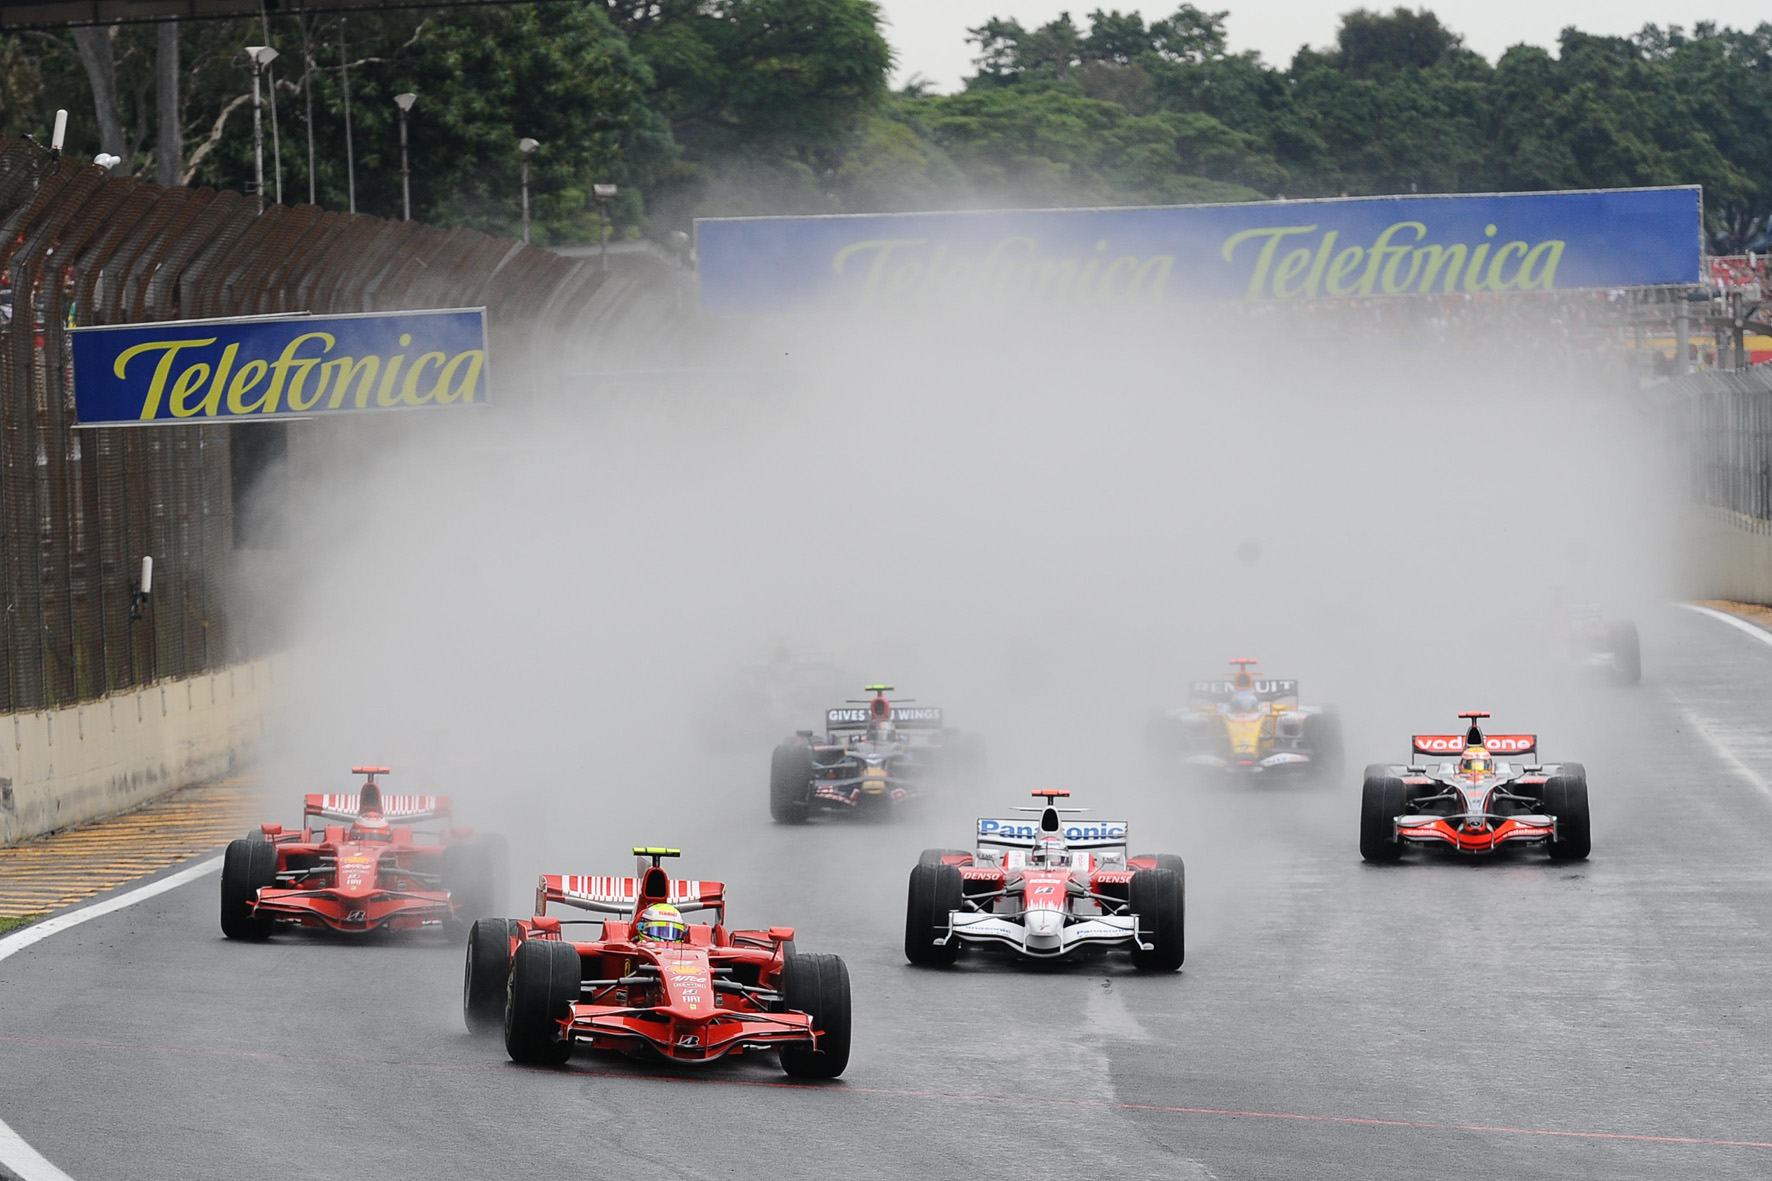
[936,891]
[486,975]
[1322,738]
[818,985]
[1382,799]
[1159,898]
[1565,798]
[470,874]
[247,868]
[790,783]
[543,986]
[1627,654]
[934,856]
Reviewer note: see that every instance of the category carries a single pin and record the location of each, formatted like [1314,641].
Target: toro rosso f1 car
[1249,723]
[875,753]
[694,992]
[1459,792]
[1048,888]
[364,868]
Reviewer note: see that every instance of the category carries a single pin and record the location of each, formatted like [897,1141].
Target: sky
[930,35]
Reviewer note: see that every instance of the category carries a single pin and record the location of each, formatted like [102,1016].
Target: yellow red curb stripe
[67,867]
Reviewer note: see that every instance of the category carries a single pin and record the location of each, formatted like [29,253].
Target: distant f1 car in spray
[652,982]
[1589,640]
[1047,887]
[1460,793]
[366,867]
[875,753]
[1248,724]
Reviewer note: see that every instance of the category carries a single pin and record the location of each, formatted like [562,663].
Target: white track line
[15,1154]
[1734,621]
[1697,723]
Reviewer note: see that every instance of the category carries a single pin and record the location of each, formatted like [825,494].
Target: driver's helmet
[1050,851]
[371,828]
[1245,702]
[370,824]
[885,732]
[661,923]
[1476,761]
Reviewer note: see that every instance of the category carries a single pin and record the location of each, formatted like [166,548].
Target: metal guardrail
[78,509]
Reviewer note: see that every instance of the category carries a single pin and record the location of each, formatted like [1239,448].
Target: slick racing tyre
[1565,798]
[790,783]
[1627,655]
[1382,799]
[936,891]
[247,868]
[934,856]
[470,874]
[1168,861]
[818,985]
[486,974]
[1159,899]
[543,987]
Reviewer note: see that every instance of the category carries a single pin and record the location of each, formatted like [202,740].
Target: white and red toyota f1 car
[1048,888]
[1459,792]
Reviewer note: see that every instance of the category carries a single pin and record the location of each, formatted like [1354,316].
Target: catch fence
[80,508]
[1725,419]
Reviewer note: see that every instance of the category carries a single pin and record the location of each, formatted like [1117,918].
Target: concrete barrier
[60,767]
[1729,556]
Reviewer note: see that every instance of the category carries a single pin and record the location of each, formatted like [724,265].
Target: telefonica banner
[262,367]
[1273,250]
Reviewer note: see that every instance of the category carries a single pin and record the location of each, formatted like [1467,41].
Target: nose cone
[1044,927]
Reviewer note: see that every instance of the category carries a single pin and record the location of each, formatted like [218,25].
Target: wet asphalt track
[1507,1019]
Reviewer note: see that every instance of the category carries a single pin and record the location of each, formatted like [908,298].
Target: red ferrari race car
[1458,793]
[365,868]
[652,983]
[1051,890]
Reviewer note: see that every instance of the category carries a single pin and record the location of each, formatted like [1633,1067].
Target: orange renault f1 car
[1249,723]
[1050,890]
[365,868]
[1458,793]
[651,982]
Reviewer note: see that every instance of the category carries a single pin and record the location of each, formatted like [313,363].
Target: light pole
[404,102]
[259,56]
[527,147]
[604,195]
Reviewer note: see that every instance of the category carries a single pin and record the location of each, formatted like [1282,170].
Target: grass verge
[8,924]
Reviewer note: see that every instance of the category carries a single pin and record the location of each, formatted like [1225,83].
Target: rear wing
[404,808]
[1454,744]
[905,717]
[1266,688]
[1078,834]
[617,896]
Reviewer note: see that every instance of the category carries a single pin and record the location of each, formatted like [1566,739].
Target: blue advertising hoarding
[1271,250]
[261,367]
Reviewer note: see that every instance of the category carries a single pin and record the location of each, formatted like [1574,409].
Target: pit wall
[1729,556]
[60,767]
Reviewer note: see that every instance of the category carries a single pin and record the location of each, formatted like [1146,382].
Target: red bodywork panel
[329,880]
[710,997]
[1450,832]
